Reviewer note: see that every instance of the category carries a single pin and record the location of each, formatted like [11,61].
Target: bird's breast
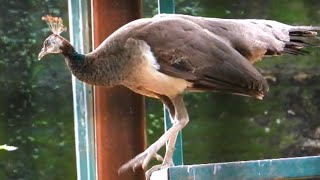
[144,77]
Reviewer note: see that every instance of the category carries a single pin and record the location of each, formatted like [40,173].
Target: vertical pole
[119,113]
[79,20]
[167,6]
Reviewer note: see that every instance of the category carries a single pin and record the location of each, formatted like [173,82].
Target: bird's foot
[141,159]
[156,168]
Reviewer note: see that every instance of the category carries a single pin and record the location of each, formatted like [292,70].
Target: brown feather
[204,59]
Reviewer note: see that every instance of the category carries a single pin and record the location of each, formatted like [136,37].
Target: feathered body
[164,56]
[199,50]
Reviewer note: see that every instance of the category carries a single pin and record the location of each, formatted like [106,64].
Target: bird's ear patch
[55,24]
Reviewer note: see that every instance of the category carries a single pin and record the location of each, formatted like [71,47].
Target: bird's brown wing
[185,50]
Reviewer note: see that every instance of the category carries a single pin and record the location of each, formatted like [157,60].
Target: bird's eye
[46,43]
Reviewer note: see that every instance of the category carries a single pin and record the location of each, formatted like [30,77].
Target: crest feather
[55,24]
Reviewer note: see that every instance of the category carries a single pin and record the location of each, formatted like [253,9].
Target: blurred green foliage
[36,112]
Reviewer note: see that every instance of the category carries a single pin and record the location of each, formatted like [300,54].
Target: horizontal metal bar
[286,168]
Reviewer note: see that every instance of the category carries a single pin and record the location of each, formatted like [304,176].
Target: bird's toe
[158,157]
[140,160]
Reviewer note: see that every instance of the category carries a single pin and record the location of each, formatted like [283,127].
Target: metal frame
[80,37]
[167,6]
[119,113]
[284,168]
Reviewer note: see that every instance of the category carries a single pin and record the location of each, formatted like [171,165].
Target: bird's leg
[180,115]
[168,161]
[170,150]
[170,147]
[172,141]
[181,118]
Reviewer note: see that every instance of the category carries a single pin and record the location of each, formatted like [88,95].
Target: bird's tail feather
[300,38]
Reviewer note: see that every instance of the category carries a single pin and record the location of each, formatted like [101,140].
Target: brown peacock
[164,56]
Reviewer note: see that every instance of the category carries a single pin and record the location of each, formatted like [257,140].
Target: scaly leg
[181,120]
[168,161]
[170,146]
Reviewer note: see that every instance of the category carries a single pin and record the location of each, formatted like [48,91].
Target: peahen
[164,56]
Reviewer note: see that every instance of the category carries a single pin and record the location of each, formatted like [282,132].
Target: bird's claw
[141,159]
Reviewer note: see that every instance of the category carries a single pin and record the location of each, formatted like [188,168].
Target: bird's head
[54,43]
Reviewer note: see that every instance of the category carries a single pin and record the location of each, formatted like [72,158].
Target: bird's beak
[42,53]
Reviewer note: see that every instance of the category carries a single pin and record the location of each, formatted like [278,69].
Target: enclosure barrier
[285,168]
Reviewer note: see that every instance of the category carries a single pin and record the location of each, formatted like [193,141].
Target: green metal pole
[79,18]
[167,7]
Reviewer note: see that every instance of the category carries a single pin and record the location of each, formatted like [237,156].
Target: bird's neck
[89,69]
[71,54]
[74,60]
